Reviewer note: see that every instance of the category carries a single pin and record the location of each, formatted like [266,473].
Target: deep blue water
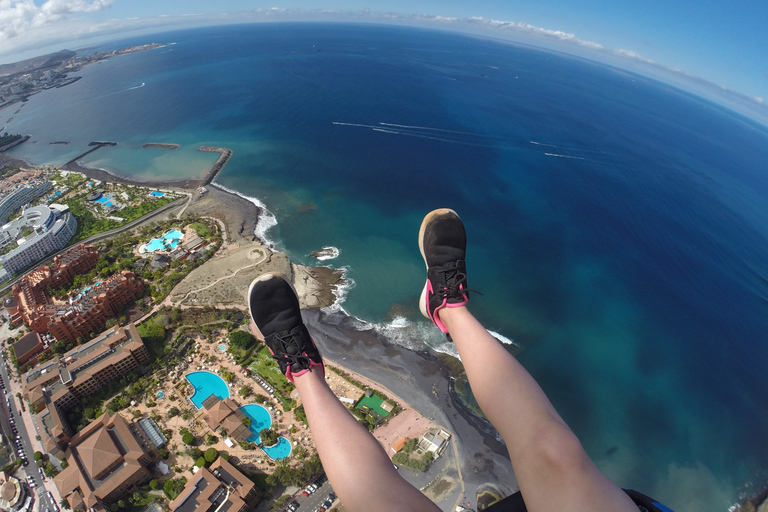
[617,226]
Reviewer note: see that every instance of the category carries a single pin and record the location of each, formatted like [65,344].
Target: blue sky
[725,43]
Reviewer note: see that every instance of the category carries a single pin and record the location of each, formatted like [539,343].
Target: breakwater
[225,155]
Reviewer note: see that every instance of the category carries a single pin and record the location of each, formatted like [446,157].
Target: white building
[39,231]
[14,199]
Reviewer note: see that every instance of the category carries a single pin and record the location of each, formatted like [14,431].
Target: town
[120,394]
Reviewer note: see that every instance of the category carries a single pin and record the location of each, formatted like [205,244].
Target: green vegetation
[284,474]
[201,229]
[225,374]
[280,503]
[211,440]
[211,454]
[268,437]
[241,346]
[413,457]
[245,391]
[241,339]
[188,438]
[301,415]
[172,488]
[267,368]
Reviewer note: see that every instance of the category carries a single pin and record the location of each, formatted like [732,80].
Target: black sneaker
[443,243]
[275,310]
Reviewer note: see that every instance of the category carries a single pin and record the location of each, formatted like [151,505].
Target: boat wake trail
[438,134]
[122,90]
[570,152]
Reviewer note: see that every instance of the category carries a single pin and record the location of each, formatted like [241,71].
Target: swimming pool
[160,394]
[222,348]
[157,194]
[261,419]
[207,384]
[104,199]
[280,451]
[167,242]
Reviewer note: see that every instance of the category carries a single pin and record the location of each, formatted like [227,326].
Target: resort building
[12,309]
[39,231]
[107,462]
[31,289]
[87,312]
[56,386]
[220,488]
[30,346]
[226,415]
[20,190]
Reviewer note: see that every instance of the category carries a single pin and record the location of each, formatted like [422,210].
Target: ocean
[617,225]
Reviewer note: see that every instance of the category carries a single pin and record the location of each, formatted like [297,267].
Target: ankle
[449,315]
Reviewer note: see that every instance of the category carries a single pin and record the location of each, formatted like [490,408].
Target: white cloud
[634,55]
[18,16]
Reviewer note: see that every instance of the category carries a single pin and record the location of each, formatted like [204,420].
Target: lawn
[266,366]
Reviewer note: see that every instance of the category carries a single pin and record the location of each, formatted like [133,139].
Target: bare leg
[357,466]
[552,469]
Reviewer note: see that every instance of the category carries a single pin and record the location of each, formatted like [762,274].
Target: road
[42,500]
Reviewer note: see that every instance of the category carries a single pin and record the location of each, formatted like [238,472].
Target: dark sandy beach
[423,381]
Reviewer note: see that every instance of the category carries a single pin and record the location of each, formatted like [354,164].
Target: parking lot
[317,496]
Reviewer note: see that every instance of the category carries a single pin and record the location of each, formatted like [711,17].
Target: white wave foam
[503,339]
[341,292]
[267,219]
[385,131]
[328,253]
[410,334]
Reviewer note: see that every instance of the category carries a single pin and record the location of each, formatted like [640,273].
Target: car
[305,492]
[327,503]
[25,463]
[332,496]
[320,508]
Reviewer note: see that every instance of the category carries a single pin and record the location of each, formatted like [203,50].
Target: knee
[555,448]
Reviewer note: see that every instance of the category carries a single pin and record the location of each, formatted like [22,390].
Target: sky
[704,44]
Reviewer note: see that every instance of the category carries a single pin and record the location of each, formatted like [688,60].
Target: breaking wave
[266,221]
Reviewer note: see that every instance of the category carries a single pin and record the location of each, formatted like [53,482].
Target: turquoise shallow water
[617,226]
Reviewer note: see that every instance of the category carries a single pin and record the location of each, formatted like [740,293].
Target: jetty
[161,145]
[225,155]
[14,143]
[96,145]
